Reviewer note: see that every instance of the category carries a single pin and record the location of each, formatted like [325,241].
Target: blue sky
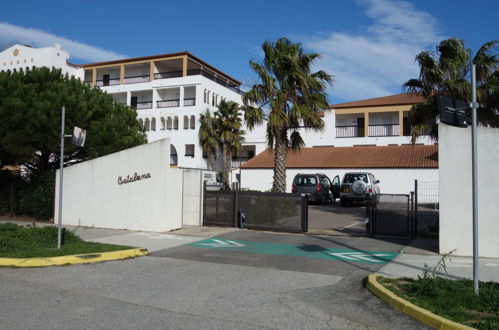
[367,45]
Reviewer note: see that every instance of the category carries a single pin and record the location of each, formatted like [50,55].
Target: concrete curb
[73,259]
[410,309]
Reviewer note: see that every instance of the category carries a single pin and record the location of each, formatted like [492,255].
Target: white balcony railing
[168,103]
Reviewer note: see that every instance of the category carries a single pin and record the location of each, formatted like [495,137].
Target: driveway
[204,285]
[334,219]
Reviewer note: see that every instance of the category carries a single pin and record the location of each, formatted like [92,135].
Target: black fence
[256,210]
[391,215]
[426,206]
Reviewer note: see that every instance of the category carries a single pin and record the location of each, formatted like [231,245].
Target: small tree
[208,137]
[228,127]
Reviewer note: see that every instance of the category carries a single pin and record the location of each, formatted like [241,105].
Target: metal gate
[256,210]
[391,215]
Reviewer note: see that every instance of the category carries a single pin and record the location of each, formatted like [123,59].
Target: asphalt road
[191,287]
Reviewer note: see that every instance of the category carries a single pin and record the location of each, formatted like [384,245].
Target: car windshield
[306,181]
[351,177]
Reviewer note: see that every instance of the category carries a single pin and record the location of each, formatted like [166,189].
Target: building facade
[20,58]
[169,92]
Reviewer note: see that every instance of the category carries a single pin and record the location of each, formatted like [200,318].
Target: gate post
[413,232]
[304,213]
[416,207]
[236,203]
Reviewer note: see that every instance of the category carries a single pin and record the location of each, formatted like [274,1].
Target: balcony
[171,74]
[136,79]
[168,103]
[208,75]
[384,130]
[349,131]
[107,82]
[142,105]
[189,102]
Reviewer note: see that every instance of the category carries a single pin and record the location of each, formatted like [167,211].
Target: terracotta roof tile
[399,99]
[405,156]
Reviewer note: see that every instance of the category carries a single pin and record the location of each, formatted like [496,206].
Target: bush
[37,199]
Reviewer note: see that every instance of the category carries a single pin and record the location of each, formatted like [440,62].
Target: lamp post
[78,140]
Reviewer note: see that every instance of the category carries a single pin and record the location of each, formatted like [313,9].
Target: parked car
[358,187]
[317,187]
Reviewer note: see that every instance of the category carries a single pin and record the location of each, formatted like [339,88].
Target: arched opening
[175,122]
[147,125]
[169,124]
[186,122]
[173,156]
[163,123]
[193,122]
[153,124]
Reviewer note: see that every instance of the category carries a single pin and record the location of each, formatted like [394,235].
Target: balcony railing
[143,105]
[136,79]
[168,103]
[171,74]
[349,131]
[110,82]
[189,102]
[208,75]
[384,130]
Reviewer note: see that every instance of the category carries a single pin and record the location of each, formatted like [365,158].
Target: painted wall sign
[133,178]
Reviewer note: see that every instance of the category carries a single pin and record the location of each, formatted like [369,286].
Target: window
[173,155]
[193,122]
[175,122]
[147,124]
[213,100]
[141,123]
[169,123]
[153,124]
[204,98]
[189,150]
[163,124]
[186,122]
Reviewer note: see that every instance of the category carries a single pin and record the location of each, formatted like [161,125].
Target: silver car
[358,187]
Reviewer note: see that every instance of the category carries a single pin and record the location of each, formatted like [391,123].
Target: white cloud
[378,61]
[10,34]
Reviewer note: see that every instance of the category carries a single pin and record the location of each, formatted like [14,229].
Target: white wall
[392,181]
[19,56]
[454,151]
[93,198]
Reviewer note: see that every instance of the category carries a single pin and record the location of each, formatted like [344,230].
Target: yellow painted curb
[410,309]
[73,259]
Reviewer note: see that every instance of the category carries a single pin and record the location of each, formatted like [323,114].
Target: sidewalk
[412,260]
[152,241]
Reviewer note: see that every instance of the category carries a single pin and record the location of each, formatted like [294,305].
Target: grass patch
[31,242]
[452,299]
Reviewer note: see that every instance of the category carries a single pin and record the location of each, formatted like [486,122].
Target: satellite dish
[78,138]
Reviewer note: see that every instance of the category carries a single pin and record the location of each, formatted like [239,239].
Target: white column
[181,97]
[128,98]
[154,98]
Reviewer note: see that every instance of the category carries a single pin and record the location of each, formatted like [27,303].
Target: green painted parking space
[308,251]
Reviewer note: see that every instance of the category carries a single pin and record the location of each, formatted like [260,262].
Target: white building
[20,57]
[170,92]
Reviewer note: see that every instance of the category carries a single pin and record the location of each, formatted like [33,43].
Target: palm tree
[229,134]
[447,72]
[208,137]
[288,95]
